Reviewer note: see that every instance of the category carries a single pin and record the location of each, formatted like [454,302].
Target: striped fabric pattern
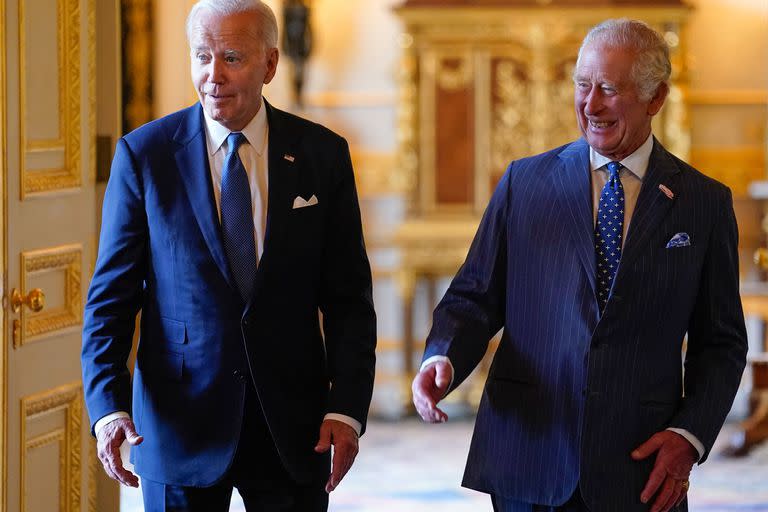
[571,393]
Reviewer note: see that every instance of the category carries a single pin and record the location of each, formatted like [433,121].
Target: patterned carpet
[411,467]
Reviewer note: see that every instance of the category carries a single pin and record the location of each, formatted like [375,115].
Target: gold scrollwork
[93,471]
[36,181]
[68,259]
[92,91]
[407,155]
[69,399]
[453,77]
[510,131]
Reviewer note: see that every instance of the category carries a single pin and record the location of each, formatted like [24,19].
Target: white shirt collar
[637,162]
[255,132]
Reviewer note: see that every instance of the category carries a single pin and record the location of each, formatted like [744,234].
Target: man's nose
[593,102]
[216,74]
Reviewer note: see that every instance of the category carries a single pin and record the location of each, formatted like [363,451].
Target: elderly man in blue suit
[230,225]
[596,258]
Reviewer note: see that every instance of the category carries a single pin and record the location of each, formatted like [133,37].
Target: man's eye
[202,57]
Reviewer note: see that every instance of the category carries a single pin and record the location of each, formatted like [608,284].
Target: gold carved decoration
[510,130]
[36,181]
[67,259]
[407,122]
[92,91]
[67,398]
[454,73]
[68,68]
[93,471]
[57,436]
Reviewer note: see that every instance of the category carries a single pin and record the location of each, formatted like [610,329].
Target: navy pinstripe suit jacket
[570,393]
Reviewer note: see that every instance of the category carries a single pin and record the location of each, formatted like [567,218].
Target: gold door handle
[35,300]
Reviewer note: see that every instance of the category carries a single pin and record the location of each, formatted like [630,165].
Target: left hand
[674,461]
[345,448]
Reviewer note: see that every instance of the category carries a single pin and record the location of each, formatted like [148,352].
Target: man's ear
[273,55]
[657,101]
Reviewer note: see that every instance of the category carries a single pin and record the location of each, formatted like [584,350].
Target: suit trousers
[256,472]
[574,504]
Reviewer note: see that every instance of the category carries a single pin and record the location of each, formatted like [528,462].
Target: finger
[683,494]
[438,416]
[655,479]
[127,478]
[131,436]
[341,465]
[442,376]
[324,441]
[118,472]
[344,453]
[647,448]
[666,493]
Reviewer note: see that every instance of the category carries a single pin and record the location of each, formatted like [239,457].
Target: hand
[674,461]
[429,387]
[108,442]
[345,448]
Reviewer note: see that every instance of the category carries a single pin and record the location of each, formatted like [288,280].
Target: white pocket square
[300,202]
[679,240]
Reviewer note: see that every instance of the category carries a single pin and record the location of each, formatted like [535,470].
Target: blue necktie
[609,232]
[237,218]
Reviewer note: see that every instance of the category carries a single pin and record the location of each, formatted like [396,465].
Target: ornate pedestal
[484,82]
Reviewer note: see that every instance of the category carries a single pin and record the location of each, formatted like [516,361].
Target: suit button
[245,322]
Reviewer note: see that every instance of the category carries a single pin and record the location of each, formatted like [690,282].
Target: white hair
[651,67]
[267,28]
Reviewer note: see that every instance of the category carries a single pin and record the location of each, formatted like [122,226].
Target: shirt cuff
[109,418]
[439,359]
[691,439]
[352,422]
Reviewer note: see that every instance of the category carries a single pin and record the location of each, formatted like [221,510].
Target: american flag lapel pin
[288,157]
[666,191]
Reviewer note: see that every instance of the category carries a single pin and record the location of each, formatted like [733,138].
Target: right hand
[429,387]
[108,441]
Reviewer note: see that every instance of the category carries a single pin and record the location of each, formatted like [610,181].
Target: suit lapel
[652,204]
[572,187]
[283,174]
[192,161]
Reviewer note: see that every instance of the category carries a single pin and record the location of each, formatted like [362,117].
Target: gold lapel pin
[288,157]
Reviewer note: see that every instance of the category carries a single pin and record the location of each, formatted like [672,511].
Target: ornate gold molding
[407,159]
[92,91]
[57,436]
[93,471]
[67,398]
[68,259]
[36,181]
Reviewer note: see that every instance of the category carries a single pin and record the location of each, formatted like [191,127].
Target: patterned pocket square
[679,240]
[300,202]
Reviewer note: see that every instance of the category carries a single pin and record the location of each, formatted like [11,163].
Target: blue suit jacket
[161,252]
[570,393]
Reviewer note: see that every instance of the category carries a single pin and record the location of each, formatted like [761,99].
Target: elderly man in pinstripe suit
[596,259]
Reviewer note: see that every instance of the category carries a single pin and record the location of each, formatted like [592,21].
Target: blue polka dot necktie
[608,232]
[237,218]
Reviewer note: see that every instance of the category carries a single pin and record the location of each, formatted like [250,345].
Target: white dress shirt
[631,176]
[254,156]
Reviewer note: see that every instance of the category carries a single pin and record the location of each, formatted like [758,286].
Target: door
[48,123]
